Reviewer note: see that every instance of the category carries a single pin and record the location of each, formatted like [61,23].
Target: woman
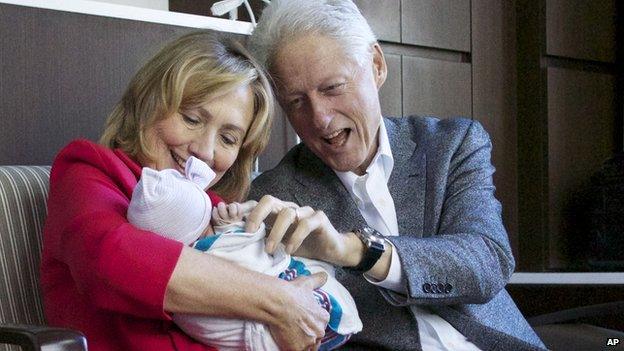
[202,97]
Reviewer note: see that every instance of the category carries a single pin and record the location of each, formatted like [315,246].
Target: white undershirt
[372,197]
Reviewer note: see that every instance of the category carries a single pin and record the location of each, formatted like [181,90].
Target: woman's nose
[204,149]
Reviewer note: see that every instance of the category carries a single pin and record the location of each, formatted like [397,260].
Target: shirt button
[426,288]
[448,288]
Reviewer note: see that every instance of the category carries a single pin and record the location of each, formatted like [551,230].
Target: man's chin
[343,165]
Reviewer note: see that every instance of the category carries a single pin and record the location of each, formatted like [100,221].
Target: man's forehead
[300,67]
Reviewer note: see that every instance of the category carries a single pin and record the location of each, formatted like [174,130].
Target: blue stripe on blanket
[205,243]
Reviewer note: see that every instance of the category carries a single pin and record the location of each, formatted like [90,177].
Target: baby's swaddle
[248,250]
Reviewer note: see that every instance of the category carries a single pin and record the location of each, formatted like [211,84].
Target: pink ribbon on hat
[198,172]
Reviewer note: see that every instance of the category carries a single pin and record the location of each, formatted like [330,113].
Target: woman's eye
[229,140]
[191,120]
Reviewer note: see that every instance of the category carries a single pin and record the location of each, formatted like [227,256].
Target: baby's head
[173,205]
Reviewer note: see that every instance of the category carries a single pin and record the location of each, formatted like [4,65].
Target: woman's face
[213,132]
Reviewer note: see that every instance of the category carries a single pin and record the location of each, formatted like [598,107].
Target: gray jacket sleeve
[468,259]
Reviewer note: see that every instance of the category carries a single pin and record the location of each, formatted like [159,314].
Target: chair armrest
[34,338]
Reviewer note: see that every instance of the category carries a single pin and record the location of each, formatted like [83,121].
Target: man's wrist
[354,252]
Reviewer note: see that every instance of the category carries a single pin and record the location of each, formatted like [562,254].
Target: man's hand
[304,232]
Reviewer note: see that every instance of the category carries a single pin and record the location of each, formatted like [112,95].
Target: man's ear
[380,69]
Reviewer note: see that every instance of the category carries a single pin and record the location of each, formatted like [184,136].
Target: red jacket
[100,274]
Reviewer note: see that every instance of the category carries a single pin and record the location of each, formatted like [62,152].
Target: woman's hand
[302,321]
[304,232]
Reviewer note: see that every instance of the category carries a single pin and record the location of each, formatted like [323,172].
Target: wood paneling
[567,120]
[494,97]
[55,85]
[443,24]
[439,88]
[383,17]
[581,29]
[581,137]
[531,125]
[283,137]
[390,95]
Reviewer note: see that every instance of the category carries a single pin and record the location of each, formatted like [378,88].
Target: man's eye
[191,120]
[295,102]
[334,87]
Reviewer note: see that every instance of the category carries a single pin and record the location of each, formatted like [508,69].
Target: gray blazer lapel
[324,191]
[407,181]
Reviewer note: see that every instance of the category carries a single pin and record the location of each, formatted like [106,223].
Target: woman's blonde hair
[184,75]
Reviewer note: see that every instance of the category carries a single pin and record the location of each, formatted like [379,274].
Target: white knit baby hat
[171,204]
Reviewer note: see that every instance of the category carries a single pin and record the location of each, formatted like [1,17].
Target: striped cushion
[23,195]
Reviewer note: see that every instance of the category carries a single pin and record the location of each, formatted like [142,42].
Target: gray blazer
[454,250]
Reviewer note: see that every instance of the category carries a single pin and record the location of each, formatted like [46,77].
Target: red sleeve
[214,198]
[118,267]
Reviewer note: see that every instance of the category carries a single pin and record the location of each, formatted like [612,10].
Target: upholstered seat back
[23,196]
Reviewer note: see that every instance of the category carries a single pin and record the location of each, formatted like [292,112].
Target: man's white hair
[286,20]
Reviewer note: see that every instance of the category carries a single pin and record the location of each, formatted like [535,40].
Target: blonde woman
[199,96]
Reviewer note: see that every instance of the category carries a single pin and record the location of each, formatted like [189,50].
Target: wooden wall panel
[432,87]
[581,29]
[55,85]
[581,137]
[283,137]
[391,95]
[383,17]
[494,98]
[443,24]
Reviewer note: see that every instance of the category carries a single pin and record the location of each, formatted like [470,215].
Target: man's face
[331,101]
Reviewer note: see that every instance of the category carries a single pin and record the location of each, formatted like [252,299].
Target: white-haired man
[411,198]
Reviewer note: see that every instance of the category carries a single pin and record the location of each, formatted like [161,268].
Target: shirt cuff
[394,280]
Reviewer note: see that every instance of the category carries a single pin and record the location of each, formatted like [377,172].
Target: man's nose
[321,113]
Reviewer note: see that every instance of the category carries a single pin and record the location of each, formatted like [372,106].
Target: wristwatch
[375,247]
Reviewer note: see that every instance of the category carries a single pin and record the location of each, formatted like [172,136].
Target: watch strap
[374,250]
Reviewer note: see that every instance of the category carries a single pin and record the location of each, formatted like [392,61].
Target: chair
[23,195]
[579,328]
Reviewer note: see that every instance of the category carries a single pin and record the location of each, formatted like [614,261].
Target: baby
[179,207]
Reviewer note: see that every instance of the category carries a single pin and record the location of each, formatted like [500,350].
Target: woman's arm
[209,285]
[122,270]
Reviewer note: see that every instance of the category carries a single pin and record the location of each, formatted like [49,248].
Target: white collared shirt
[372,197]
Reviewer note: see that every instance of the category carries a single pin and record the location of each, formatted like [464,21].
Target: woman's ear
[380,69]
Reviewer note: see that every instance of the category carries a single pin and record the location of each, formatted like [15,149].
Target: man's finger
[247,206]
[303,229]
[260,213]
[284,219]
[304,212]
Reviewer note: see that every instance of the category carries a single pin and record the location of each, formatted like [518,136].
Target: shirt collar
[383,160]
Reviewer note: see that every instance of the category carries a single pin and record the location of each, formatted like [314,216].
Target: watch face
[373,239]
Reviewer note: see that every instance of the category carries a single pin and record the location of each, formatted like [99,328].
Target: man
[411,199]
